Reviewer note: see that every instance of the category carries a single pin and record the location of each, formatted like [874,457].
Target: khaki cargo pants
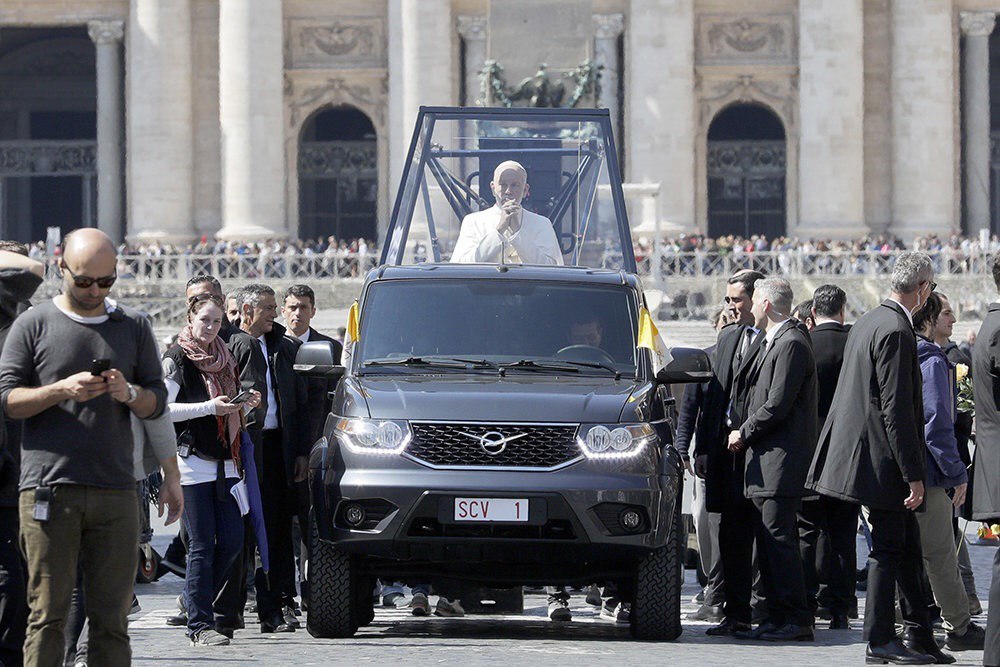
[98,528]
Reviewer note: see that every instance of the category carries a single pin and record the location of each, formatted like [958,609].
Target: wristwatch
[133,394]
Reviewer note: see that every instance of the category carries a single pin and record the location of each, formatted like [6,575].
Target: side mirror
[685,364]
[316,360]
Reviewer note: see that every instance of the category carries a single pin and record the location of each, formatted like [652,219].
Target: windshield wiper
[436,362]
[595,364]
[532,365]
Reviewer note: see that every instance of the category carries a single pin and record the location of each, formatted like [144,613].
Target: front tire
[333,590]
[656,611]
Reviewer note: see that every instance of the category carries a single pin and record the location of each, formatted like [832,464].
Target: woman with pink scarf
[202,381]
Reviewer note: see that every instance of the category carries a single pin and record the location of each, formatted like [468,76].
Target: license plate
[491,509]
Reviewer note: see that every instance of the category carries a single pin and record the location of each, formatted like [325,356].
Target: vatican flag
[351,336]
[649,338]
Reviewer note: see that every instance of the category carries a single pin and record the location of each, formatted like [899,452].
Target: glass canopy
[451,181]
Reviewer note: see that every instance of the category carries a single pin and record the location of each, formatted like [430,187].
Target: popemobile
[502,417]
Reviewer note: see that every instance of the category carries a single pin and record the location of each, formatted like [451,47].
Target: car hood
[520,398]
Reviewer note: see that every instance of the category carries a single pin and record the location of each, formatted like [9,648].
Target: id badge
[43,500]
[184,450]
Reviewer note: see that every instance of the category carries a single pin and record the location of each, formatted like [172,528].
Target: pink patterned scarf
[218,369]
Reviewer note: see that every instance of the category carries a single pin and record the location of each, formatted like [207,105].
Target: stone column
[251,114]
[159,121]
[923,118]
[107,35]
[472,29]
[660,108]
[831,112]
[976,28]
[421,69]
[607,29]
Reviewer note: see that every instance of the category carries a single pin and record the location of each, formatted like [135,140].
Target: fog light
[354,515]
[630,519]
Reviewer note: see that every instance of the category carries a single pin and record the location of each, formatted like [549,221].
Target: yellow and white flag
[649,338]
[350,336]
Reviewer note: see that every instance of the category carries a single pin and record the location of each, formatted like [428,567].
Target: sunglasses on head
[83,282]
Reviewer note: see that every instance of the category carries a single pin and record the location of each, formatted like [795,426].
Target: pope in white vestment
[506,233]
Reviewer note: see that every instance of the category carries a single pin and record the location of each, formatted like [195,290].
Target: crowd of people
[807,428]
[810,426]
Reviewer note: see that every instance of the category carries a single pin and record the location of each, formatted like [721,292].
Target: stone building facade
[180,119]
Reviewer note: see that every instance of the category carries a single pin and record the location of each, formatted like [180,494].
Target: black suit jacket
[318,390]
[828,342]
[723,469]
[780,428]
[289,389]
[986,389]
[687,416]
[873,441]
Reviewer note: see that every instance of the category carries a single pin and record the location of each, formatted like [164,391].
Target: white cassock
[479,242]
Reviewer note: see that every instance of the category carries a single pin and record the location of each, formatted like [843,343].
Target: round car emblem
[493,443]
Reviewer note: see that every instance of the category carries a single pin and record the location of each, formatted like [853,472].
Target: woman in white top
[202,378]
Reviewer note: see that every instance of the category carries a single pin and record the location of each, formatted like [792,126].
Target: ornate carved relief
[106,32]
[36,158]
[745,38]
[346,42]
[778,93]
[977,24]
[307,96]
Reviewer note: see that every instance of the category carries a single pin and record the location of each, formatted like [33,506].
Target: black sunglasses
[84,282]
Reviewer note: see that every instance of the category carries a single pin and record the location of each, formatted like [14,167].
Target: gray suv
[499,426]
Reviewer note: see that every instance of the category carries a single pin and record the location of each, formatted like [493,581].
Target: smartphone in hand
[242,397]
[98,366]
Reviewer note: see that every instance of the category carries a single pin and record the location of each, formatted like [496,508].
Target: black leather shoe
[789,633]
[973,639]
[840,622]
[924,642]
[727,628]
[177,619]
[897,653]
[766,626]
[276,624]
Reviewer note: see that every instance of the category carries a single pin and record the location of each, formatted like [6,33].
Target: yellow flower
[961,371]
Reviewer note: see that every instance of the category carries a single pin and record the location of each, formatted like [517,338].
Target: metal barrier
[789,263]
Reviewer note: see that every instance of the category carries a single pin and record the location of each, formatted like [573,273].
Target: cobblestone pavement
[396,637]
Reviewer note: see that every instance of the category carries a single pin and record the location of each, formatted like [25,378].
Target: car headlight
[373,436]
[615,441]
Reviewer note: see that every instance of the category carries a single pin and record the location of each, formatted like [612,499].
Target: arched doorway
[338,176]
[746,173]
[48,131]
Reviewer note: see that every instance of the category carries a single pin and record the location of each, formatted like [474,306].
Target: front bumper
[574,522]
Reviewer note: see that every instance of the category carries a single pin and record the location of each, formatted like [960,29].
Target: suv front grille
[540,446]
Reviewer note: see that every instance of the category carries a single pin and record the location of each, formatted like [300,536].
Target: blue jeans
[215,534]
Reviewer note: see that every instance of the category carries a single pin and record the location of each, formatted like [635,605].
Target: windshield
[565,328]
[511,187]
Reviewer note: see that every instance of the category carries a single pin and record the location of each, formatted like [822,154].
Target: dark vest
[202,433]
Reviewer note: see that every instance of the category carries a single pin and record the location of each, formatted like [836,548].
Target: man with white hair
[872,452]
[777,428]
[506,233]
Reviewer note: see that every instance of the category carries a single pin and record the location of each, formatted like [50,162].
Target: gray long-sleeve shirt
[86,443]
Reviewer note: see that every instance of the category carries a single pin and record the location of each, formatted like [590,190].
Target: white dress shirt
[906,310]
[479,242]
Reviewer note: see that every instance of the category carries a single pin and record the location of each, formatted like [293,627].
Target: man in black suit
[871,451]
[722,469]
[986,490]
[265,357]
[298,308]
[706,524]
[828,526]
[777,432]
